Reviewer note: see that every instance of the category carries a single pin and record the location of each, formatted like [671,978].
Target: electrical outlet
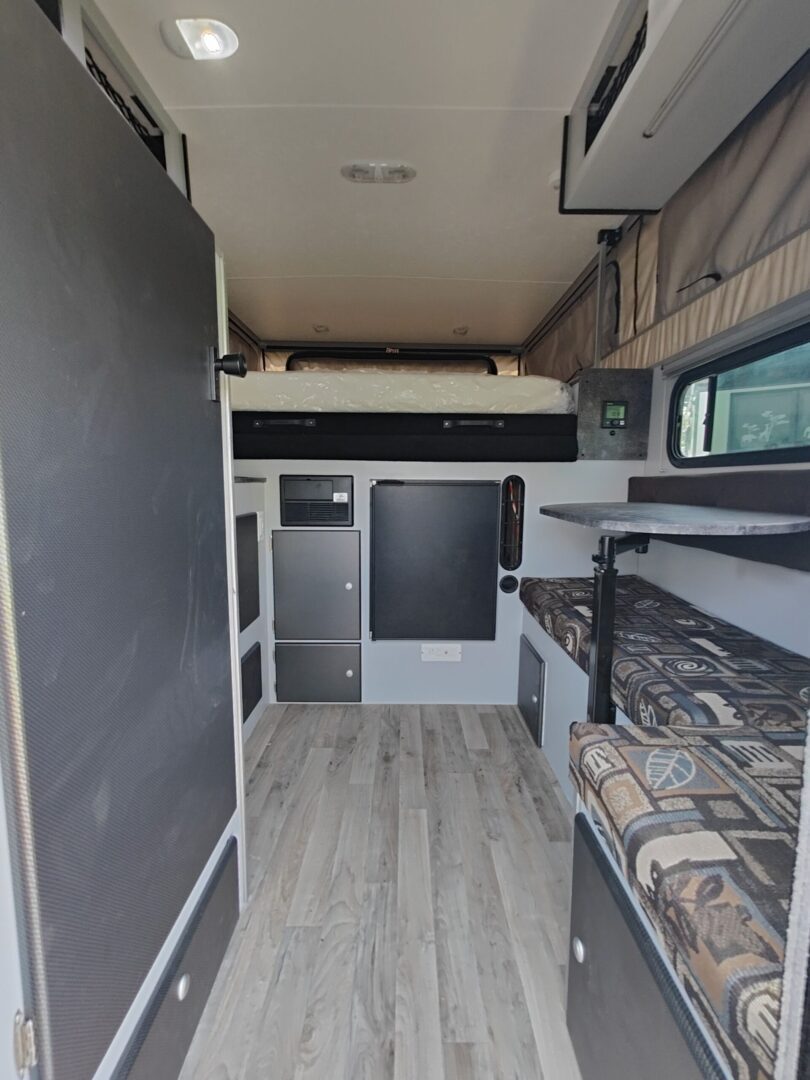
[441,654]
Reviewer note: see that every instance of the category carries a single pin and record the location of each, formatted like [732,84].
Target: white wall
[487,674]
[771,601]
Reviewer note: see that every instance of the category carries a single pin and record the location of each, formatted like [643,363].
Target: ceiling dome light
[199,39]
[320,328]
[461,330]
[378,172]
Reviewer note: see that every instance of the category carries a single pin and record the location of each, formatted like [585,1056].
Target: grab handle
[487,421]
[308,421]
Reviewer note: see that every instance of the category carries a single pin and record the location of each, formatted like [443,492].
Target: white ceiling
[471,93]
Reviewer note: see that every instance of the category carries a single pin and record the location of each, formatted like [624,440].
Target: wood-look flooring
[409,872]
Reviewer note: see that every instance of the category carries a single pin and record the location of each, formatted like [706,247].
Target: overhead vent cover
[670,81]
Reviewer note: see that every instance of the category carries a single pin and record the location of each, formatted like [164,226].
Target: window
[750,407]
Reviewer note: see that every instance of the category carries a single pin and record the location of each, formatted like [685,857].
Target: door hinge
[25,1044]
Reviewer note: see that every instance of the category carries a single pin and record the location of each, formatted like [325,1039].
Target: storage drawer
[318,672]
[531,678]
[316,585]
[160,1045]
[625,1016]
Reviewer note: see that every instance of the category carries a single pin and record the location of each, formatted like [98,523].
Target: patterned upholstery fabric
[674,664]
[703,824]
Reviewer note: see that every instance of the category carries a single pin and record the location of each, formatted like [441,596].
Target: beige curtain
[569,345]
[238,343]
[751,196]
[780,276]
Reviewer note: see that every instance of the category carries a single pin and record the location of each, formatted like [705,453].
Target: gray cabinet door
[531,673]
[318,672]
[116,718]
[316,585]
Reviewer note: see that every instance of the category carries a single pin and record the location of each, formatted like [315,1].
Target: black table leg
[601,709]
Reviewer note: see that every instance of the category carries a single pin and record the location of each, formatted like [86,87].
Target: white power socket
[441,654]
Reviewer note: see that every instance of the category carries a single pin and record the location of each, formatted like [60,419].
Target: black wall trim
[785,491]
[53,10]
[404,437]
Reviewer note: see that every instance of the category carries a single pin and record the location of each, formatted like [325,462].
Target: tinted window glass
[758,406]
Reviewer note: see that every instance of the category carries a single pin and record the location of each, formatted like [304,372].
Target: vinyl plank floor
[408,916]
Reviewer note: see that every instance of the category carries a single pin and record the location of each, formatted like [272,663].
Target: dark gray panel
[771,490]
[531,674]
[434,561]
[162,1042]
[311,572]
[613,384]
[247,568]
[624,1015]
[112,478]
[251,670]
[318,672]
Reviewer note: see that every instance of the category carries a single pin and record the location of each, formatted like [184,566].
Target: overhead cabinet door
[115,696]
[316,585]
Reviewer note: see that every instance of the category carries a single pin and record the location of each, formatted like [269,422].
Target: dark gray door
[316,585]
[434,559]
[116,712]
[318,672]
[531,674]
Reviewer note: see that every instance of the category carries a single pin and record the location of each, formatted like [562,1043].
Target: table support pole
[601,709]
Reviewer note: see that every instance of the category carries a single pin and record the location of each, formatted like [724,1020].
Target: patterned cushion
[674,664]
[703,824]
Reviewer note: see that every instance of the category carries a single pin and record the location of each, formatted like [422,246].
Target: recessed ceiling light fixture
[199,39]
[378,172]
[320,328]
[461,330]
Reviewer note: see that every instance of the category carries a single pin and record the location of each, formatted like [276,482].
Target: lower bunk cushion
[674,664]
[703,825]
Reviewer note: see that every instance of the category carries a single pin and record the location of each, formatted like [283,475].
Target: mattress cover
[418,392]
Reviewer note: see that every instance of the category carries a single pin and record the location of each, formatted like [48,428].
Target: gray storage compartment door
[434,559]
[318,672]
[625,1015]
[316,585]
[160,1045]
[247,568]
[116,713]
[531,676]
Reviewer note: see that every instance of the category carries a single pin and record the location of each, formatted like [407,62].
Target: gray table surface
[674,519]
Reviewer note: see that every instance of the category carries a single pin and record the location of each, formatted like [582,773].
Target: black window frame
[789,455]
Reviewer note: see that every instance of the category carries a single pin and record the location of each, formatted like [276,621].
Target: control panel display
[614,414]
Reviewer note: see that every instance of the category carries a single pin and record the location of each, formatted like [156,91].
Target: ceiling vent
[378,172]
[671,80]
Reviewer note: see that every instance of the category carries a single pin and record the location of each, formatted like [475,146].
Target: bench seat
[703,824]
[674,664]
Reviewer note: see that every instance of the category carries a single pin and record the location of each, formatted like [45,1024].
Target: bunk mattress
[402,417]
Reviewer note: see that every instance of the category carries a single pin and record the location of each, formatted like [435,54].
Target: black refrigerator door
[116,710]
[434,560]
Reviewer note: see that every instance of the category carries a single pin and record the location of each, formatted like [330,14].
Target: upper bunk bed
[402,416]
